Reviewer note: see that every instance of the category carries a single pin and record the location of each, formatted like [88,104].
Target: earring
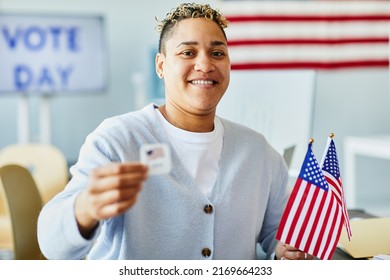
[160,75]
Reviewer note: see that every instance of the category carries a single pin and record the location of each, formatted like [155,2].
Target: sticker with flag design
[157,157]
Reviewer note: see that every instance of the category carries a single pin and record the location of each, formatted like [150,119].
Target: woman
[227,188]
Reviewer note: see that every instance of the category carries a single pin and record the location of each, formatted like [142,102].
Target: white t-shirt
[199,152]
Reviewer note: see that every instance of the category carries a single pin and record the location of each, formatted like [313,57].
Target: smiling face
[195,66]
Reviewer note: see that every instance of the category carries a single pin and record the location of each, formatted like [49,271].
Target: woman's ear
[160,65]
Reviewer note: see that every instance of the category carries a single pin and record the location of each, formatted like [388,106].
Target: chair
[5,225]
[46,163]
[49,168]
[6,242]
[24,204]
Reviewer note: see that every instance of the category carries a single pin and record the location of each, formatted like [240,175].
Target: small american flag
[331,171]
[155,153]
[313,218]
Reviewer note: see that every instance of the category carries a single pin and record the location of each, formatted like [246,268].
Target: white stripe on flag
[315,210]
[275,53]
[339,7]
[327,231]
[335,232]
[303,214]
[305,30]
[320,223]
[294,208]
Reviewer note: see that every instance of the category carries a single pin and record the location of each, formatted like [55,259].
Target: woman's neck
[187,121]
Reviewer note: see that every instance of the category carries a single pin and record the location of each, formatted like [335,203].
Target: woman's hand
[287,252]
[112,190]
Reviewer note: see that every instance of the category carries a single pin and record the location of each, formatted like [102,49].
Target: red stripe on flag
[325,222]
[307,18]
[335,216]
[307,41]
[307,217]
[332,181]
[309,64]
[288,207]
[316,222]
[339,196]
[340,226]
[336,195]
[322,224]
[298,212]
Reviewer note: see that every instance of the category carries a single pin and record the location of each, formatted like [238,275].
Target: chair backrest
[46,163]
[3,210]
[24,205]
[6,241]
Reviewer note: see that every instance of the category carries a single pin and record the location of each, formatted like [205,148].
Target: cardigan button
[208,209]
[206,252]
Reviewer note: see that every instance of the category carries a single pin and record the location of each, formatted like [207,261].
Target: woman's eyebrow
[187,43]
[218,43]
[213,43]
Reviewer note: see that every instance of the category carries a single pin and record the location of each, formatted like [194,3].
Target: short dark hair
[185,11]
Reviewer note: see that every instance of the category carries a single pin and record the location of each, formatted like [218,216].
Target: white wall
[131,36]
[347,102]
[356,102]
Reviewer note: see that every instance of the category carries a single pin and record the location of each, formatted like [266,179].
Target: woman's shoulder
[129,119]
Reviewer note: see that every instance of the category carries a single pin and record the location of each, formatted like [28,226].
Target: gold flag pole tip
[311,140]
[331,135]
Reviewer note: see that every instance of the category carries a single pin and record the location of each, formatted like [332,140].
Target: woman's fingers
[113,189]
[293,253]
[117,208]
[118,168]
[117,176]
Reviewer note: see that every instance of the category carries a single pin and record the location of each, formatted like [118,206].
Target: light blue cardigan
[168,221]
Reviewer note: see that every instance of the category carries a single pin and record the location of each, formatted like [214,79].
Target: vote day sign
[52,54]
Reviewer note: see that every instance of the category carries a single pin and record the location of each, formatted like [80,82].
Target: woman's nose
[204,63]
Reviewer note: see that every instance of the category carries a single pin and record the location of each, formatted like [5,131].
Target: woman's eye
[217,54]
[187,53]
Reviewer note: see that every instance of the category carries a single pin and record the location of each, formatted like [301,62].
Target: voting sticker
[157,157]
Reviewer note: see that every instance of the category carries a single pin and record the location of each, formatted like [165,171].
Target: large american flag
[307,34]
[331,170]
[313,218]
